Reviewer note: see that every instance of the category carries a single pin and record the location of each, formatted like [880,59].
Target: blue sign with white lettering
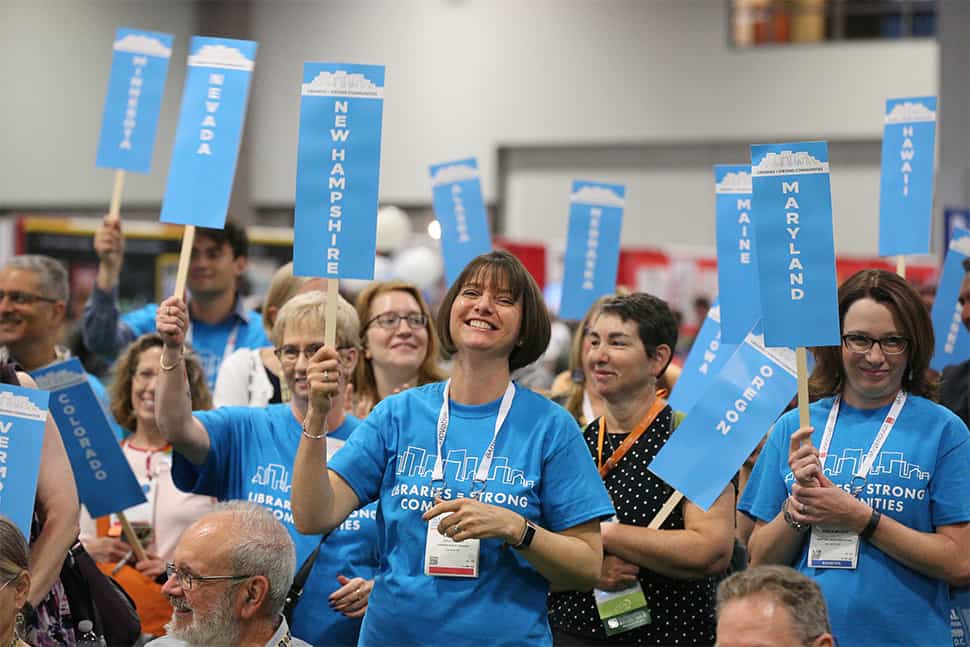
[135,87]
[707,355]
[23,414]
[338,170]
[460,210]
[952,338]
[906,181]
[210,127]
[592,246]
[105,482]
[737,409]
[737,266]
[792,202]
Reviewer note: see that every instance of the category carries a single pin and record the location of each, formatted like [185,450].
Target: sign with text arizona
[23,414]
[735,411]
[105,482]
[337,170]
[906,181]
[792,203]
[737,268]
[460,210]
[952,338]
[135,87]
[707,355]
[592,246]
[210,127]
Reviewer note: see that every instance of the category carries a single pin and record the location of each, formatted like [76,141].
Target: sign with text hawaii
[952,338]
[737,268]
[210,127]
[23,414]
[337,170]
[792,203]
[906,181]
[460,210]
[592,246]
[707,355]
[135,87]
[735,411]
[105,482]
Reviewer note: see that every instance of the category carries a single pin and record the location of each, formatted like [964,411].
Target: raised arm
[99,324]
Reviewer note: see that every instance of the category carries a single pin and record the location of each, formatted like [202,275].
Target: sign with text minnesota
[338,170]
[135,87]
[737,268]
[952,338]
[792,203]
[210,126]
[592,246]
[460,210]
[23,414]
[906,179]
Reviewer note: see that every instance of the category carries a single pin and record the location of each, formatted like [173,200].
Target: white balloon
[382,272]
[420,266]
[393,229]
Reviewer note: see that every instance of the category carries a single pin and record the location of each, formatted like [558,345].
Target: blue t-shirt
[251,458]
[960,616]
[102,395]
[541,469]
[920,478]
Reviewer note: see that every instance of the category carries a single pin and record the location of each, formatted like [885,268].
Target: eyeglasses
[186,580]
[390,320]
[289,353]
[24,298]
[890,344]
[144,375]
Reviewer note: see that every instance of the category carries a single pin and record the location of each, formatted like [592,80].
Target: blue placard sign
[707,355]
[906,180]
[460,210]
[952,338]
[105,482]
[592,246]
[337,170]
[135,87]
[23,414]
[736,411]
[792,204]
[737,266]
[210,127]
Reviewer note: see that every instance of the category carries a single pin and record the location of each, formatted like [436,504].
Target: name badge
[831,548]
[622,610]
[445,557]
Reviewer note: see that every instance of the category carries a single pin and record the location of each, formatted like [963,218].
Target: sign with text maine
[338,170]
[23,414]
[737,267]
[952,338]
[135,87]
[592,246]
[906,180]
[792,203]
[707,355]
[210,126]
[460,210]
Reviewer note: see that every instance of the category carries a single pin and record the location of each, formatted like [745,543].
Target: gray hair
[310,309]
[52,274]
[798,593]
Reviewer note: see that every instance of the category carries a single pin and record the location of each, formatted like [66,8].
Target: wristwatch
[527,535]
[795,525]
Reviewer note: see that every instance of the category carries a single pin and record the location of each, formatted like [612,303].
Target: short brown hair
[124,374]
[908,311]
[494,269]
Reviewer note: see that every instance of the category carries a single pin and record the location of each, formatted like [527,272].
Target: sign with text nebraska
[460,210]
[337,170]
[737,267]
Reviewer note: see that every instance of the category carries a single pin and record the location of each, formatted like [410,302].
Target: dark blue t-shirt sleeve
[362,460]
[213,477]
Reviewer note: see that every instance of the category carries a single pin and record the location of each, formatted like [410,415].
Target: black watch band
[870,528]
[527,536]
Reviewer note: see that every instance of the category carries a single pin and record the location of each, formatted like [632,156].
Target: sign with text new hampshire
[735,411]
[737,266]
[592,246]
[792,203]
[135,87]
[952,338]
[338,170]
[460,210]
[210,126]
[23,414]
[906,180]
[105,482]
[707,355]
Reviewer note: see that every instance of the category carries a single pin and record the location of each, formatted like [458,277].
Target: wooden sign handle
[185,255]
[132,538]
[901,265]
[330,325]
[114,210]
[665,511]
[801,362]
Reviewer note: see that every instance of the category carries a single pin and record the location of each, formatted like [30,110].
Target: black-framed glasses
[290,353]
[391,320]
[24,298]
[187,580]
[890,344]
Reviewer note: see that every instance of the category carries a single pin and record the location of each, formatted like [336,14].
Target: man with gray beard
[228,582]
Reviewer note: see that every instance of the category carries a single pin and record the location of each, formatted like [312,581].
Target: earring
[20,625]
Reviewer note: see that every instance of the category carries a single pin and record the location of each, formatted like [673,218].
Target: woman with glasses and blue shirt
[871,499]
[248,452]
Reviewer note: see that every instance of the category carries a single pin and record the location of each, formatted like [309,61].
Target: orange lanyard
[658,405]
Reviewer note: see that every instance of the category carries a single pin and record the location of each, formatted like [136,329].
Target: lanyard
[862,471]
[658,405]
[484,465]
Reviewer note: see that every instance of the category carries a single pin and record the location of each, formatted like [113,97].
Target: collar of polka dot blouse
[605,467]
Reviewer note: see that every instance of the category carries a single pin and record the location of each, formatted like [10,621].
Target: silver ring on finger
[804,509]
[326,376]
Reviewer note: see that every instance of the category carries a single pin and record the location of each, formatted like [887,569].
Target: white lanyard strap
[862,470]
[484,465]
